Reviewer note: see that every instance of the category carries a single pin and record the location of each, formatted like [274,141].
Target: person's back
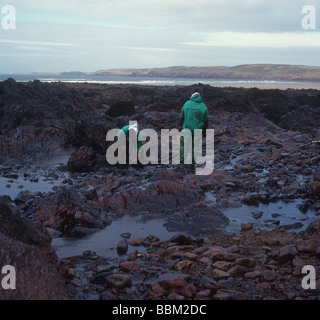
[194,113]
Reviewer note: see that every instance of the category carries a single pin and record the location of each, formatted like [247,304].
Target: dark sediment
[259,158]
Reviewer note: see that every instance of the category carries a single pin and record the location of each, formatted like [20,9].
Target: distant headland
[258,72]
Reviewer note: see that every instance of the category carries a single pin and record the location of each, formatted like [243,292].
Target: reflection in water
[104,242]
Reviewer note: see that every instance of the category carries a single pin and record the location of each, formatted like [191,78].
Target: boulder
[68,209]
[313,186]
[121,108]
[313,231]
[36,277]
[19,228]
[27,247]
[83,160]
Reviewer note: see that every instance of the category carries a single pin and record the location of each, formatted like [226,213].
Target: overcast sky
[91,35]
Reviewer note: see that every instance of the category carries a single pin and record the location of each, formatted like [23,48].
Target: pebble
[119,281]
[125,235]
[245,226]
[122,247]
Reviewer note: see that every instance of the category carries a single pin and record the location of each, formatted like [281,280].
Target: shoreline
[175,82]
[281,86]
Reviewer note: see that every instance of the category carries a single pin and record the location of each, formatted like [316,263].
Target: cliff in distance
[258,72]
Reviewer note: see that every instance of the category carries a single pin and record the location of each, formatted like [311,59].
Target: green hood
[196,97]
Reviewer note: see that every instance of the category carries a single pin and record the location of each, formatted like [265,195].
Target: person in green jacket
[126,131]
[194,115]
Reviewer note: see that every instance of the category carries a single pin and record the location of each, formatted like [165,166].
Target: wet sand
[273,85]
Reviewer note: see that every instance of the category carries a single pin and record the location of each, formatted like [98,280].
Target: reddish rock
[313,186]
[223,295]
[67,209]
[204,294]
[83,160]
[287,253]
[252,275]
[18,228]
[163,195]
[219,274]
[136,242]
[308,246]
[180,286]
[246,262]
[183,265]
[215,179]
[156,289]
[313,231]
[269,275]
[129,266]
[36,277]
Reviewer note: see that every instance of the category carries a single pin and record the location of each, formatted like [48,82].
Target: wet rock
[287,253]
[37,279]
[313,186]
[204,294]
[272,241]
[308,246]
[252,275]
[69,208]
[257,215]
[108,296]
[246,226]
[119,281]
[238,271]
[296,119]
[184,265]
[156,290]
[180,286]
[313,231]
[129,266]
[221,265]
[23,197]
[161,196]
[83,160]
[125,235]
[175,296]
[80,232]
[182,239]
[198,220]
[223,295]
[219,274]
[246,262]
[122,247]
[269,275]
[136,242]
[296,225]
[215,179]
[18,228]
[121,108]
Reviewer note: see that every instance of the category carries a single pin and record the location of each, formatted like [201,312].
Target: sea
[50,78]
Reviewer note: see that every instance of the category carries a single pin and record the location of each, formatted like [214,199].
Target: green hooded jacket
[194,113]
[125,130]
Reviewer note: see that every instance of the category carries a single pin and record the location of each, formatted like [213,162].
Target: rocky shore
[263,155]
